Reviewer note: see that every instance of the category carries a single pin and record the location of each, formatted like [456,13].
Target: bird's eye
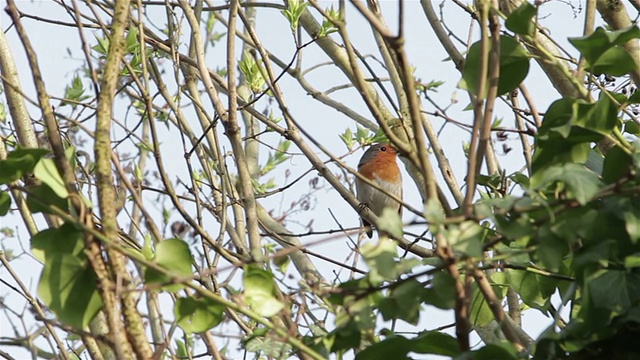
[384,148]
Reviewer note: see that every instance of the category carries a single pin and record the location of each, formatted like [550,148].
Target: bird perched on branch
[378,164]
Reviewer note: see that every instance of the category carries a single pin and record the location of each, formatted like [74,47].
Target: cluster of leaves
[574,232]
[67,284]
[132,48]
[362,137]
[580,216]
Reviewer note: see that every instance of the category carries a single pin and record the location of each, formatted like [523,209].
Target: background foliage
[171,197]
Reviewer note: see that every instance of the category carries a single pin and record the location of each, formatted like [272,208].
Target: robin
[378,164]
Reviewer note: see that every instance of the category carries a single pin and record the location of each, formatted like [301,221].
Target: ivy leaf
[41,198]
[502,351]
[527,285]
[442,293]
[466,238]
[395,347]
[197,315]
[602,53]
[433,212]
[582,183]
[615,61]
[520,20]
[616,164]
[631,127]
[381,259]
[614,290]
[259,291]
[47,172]
[174,256]
[68,287]
[403,302]
[551,249]
[631,215]
[514,66]
[67,284]
[66,239]
[599,117]
[481,313]
[391,222]
[5,203]
[18,163]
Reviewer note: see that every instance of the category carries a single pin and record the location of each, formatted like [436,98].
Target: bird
[378,164]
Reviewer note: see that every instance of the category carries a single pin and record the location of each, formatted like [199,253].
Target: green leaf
[631,215]
[75,91]
[552,249]
[442,293]
[568,129]
[131,41]
[527,285]
[403,302]
[435,342]
[514,66]
[632,261]
[347,138]
[344,338]
[181,349]
[616,164]
[520,20]
[282,263]
[595,162]
[582,183]
[598,117]
[600,43]
[293,12]
[395,347]
[466,238]
[615,61]
[502,351]
[481,313]
[259,291]
[67,284]
[557,120]
[197,315]
[433,212]
[381,259]
[5,203]
[67,239]
[267,346]
[18,163]
[68,287]
[560,152]
[362,136]
[47,171]
[391,222]
[40,198]
[102,47]
[614,290]
[631,127]
[175,257]
[147,247]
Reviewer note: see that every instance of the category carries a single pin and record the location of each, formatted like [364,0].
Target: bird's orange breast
[383,167]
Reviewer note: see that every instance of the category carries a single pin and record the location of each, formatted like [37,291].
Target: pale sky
[60,58]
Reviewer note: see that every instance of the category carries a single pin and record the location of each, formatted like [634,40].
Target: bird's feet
[362,206]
